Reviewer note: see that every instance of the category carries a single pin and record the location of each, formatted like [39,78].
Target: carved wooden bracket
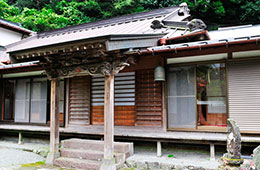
[103,68]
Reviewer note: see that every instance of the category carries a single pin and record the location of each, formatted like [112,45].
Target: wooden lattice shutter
[124,109]
[148,99]
[79,100]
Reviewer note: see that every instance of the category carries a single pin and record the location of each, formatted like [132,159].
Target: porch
[135,133]
[130,132]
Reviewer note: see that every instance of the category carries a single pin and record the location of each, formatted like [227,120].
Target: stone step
[83,144]
[90,155]
[77,163]
[82,154]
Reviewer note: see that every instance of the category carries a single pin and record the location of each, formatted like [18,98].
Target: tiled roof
[134,24]
[223,35]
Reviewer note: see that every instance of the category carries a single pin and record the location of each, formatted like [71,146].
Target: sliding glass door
[181,97]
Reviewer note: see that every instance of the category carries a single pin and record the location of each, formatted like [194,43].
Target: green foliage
[45,19]
[50,14]
[126,7]
[250,11]
[34,164]
[7,10]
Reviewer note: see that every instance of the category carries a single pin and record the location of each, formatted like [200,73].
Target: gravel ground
[13,158]
[194,155]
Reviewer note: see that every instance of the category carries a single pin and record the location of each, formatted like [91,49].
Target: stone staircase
[88,154]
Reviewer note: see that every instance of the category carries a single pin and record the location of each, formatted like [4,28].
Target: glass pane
[38,101]
[8,99]
[211,94]
[61,106]
[22,95]
[181,97]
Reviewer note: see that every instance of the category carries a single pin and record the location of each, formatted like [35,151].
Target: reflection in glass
[211,94]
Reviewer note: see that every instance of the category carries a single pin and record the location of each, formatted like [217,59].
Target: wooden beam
[54,124]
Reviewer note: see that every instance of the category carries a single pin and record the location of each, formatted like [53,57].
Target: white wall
[8,36]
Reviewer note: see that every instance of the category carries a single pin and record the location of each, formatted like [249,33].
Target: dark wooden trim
[229,47]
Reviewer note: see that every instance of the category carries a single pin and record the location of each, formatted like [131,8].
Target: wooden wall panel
[124,115]
[79,100]
[148,99]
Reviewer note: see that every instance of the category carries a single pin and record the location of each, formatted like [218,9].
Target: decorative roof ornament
[156,24]
[196,25]
[184,9]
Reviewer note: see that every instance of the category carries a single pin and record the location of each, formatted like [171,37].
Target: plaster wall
[8,37]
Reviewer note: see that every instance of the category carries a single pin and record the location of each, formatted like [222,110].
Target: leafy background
[43,15]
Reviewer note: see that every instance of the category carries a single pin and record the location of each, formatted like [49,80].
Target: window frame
[47,102]
[198,128]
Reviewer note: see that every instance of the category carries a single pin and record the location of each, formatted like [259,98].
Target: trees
[50,14]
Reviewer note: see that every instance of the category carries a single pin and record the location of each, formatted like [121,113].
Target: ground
[31,156]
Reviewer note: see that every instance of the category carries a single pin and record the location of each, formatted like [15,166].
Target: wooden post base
[159,149]
[212,152]
[51,157]
[20,140]
[108,164]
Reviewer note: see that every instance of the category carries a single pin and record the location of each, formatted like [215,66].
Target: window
[26,100]
[197,89]
[31,100]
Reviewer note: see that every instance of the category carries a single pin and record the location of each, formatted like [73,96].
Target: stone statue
[256,158]
[233,140]
[232,159]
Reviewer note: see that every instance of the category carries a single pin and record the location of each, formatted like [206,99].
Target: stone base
[108,164]
[51,157]
[232,162]
[226,167]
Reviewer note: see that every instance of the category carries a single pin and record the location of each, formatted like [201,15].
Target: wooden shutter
[244,94]
[124,108]
[79,103]
[148,99]
[97,100]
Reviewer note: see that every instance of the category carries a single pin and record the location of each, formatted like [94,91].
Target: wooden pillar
[54,124]
[108,161]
